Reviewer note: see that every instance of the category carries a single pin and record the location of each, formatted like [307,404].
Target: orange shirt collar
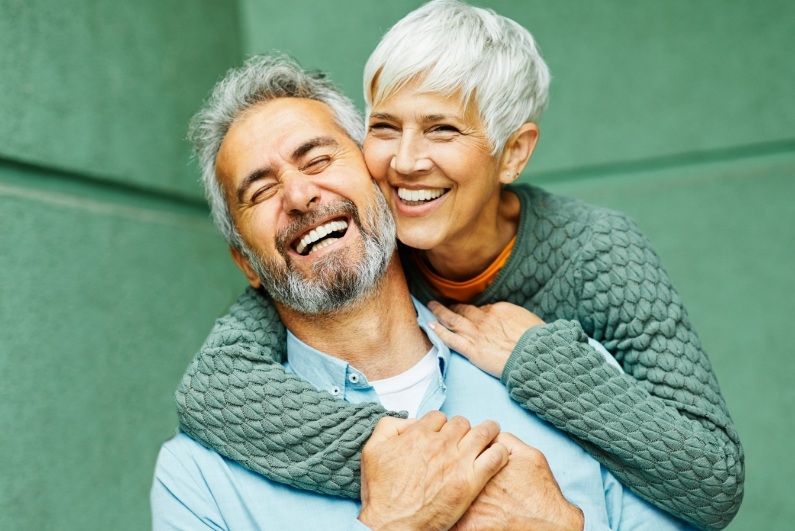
[466,290]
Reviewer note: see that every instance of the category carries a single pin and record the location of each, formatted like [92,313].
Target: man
[311,229]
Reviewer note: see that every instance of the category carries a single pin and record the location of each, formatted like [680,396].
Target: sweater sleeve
[237,399]
[662,428]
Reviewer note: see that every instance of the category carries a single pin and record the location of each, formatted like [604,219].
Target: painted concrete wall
[679,113]
[110,271]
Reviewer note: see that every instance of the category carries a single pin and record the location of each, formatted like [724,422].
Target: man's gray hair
[449,46]
[260,79]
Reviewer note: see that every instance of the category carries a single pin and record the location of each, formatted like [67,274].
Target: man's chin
[325,284]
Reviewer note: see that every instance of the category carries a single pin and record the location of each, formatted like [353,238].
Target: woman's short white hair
[450,46]
[262,78]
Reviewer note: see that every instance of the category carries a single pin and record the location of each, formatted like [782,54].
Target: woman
[453,95]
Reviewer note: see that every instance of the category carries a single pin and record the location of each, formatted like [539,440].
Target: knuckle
[454,320]
[484,432]
[385,422]
[367,451]
[436,414]
[537,456]
[491,426]
[459,420]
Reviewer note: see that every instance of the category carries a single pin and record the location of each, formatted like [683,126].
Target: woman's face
[431,157]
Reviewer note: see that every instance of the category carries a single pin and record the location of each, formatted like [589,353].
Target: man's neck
[378,334]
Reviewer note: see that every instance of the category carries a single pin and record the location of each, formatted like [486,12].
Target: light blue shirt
[196,488]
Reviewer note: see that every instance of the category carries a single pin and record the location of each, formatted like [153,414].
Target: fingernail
[432,325]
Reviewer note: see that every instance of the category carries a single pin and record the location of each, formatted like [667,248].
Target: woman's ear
[517,152]
[244,265]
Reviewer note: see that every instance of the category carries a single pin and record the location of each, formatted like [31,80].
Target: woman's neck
[472,252]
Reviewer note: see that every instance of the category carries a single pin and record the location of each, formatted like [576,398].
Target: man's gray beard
[335,283]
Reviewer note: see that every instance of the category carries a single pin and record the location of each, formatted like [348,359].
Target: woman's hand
[486,336]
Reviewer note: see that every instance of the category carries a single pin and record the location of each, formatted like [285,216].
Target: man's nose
[299,194]
[412,155]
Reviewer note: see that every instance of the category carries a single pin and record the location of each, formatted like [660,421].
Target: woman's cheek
[377,158]
[386,190]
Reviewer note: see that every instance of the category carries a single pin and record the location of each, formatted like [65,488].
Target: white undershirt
[405,391]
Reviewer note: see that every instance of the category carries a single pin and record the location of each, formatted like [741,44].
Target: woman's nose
[412,155]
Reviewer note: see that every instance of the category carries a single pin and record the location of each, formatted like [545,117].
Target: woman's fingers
[485,336]
[456,330]
[454,341]
[453,320]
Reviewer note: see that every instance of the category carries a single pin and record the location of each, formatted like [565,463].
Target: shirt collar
[337,376]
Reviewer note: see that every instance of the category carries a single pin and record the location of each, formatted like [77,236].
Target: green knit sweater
[662,428]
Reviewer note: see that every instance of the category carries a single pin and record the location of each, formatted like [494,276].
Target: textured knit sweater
[662,427]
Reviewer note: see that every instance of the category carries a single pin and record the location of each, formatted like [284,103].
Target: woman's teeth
[426,194]
[318,233]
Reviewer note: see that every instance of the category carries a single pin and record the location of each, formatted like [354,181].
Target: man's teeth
[420,195]
[324,243]
[318,233]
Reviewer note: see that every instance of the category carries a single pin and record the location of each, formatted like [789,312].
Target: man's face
[317,233]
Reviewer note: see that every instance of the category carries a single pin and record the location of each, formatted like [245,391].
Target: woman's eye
[444,128]
[383,128]
[443,132]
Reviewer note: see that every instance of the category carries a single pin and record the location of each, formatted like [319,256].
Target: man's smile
[321,236]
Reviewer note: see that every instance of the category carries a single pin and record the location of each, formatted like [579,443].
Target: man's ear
[244,265]
[517,152]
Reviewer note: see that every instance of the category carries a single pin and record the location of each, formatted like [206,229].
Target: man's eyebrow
[251,179]
[309,145]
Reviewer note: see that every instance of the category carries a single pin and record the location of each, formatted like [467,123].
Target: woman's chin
[422,240]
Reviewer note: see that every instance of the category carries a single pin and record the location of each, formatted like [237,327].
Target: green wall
[679,113]
[110,272]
